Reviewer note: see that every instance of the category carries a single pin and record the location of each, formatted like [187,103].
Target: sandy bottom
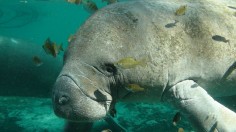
[27,114]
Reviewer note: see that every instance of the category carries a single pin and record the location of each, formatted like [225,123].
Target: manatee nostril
[63,100]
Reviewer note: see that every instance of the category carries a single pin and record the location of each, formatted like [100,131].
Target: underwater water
[25,87]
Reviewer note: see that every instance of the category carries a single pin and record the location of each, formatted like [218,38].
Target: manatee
[19,75]
[185,66]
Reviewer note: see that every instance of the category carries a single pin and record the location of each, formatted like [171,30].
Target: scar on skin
[228,72]
[194,85]
[232,7]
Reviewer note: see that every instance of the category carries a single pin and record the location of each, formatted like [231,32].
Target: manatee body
[89,83]
[19,75]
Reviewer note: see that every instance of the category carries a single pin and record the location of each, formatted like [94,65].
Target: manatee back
[139,29]
[140,26]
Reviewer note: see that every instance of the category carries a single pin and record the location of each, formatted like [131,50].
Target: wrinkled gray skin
[177,58]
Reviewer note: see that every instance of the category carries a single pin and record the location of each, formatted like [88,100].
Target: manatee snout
[76,99]
[62,96]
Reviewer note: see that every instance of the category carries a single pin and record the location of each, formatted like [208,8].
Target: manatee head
[89,82]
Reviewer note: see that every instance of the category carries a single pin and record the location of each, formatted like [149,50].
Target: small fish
[181,10]
[90,6]
[176,118]
[232,7]
[112,112]
[220,38]
[37,61]
[74,1]
[52,48]
[134,88]
[110,1]
[23,1]
[130,62]
[71,38]
[106,130]
[180,130]
[170,25]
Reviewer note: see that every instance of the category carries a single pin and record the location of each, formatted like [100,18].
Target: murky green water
[25,89]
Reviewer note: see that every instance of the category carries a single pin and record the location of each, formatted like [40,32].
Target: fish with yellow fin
[180,130]
[37,61]
[74,1]
[52,48]
[71,38]
[181,10]
[106,130]
[134,88]
[90,6]
[129,62]
[176,118]
[110,1]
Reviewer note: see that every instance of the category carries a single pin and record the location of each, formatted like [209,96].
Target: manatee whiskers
[107,105]
[88,80]
[112,81]
[120,79]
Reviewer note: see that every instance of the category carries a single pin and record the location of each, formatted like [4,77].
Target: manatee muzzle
[71,102]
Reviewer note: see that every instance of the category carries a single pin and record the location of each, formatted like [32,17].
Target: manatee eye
[110,68]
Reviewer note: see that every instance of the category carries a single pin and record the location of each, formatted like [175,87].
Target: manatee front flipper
[201,109]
